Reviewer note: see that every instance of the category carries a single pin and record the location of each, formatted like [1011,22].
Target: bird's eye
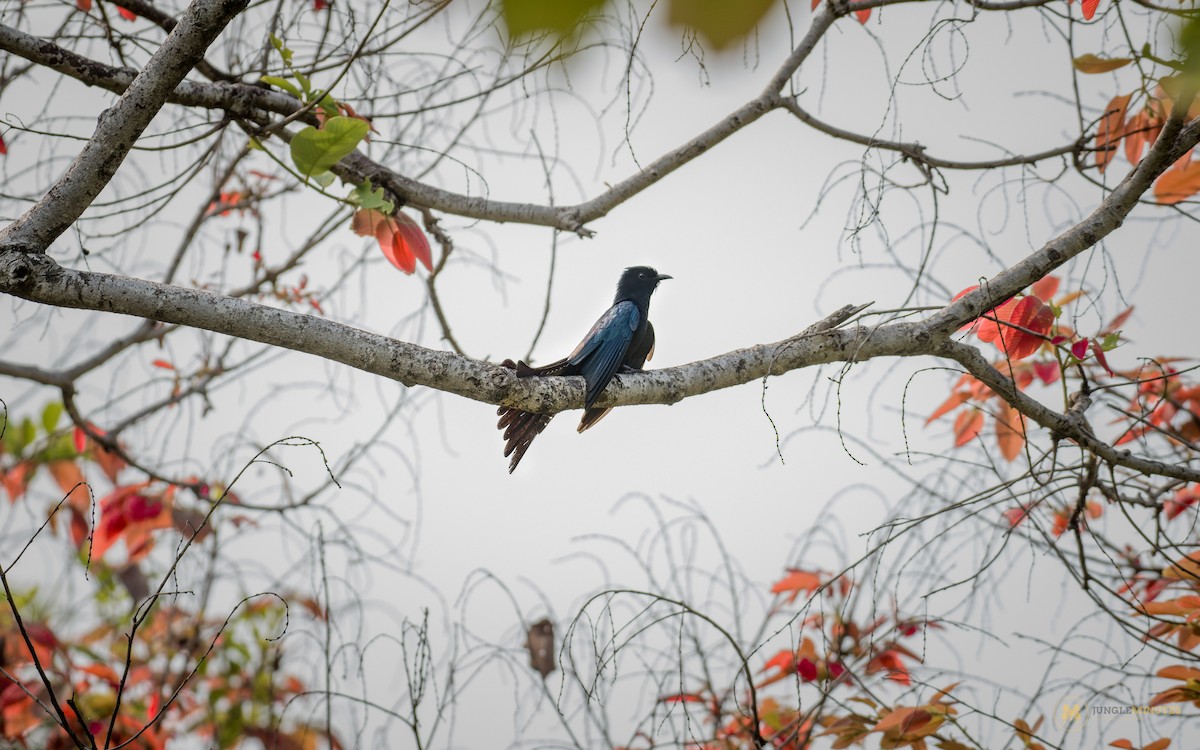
[641,275]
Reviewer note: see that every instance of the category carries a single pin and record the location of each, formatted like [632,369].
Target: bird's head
[638,282]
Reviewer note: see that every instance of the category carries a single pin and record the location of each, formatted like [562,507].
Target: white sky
[731,228]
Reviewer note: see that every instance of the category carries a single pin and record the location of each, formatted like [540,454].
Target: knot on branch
[19,267]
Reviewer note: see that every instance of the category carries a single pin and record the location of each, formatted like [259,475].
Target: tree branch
[119,127]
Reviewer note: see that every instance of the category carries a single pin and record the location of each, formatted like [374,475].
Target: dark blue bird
[620,341]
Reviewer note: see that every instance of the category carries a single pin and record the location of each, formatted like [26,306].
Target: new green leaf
[315,151]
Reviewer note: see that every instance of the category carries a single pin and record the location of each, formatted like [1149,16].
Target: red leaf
[127,14]
[401,240]
[967,426]
[16,479]
[1112,124]
[414,239]
[1183,499]
[1099,352]
[863,15]
[320,5]
[1015,516]
[681,698]
[807,670]
[1089,8]
[890,660]
[84,5]
[1133,433]
[1045,288]
[989,330]
[1047,372]
[1032,314]
[1178,183]
[163,364]
[3,146]
[1079,349]
[80,439]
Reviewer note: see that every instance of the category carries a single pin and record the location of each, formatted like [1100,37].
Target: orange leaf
[795,582]
[1178,183]
[967,426]
[1185,568]
[69,478]
[903,721]
[863,15]
[1010,431]
[1118,321]
[1033,315]
[1123,744]
[1135,136]
[1112,124]
[1178,672]
[950,404]
[1160,744]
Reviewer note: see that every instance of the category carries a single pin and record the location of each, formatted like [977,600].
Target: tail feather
[521,427]
[591,417]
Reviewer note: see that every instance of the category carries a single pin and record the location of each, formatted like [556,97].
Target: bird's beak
[663,277]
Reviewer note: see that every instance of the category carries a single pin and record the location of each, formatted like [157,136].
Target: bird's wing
[640,350]
[602,351]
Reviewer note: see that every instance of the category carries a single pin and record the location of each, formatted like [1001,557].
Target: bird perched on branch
[620,341]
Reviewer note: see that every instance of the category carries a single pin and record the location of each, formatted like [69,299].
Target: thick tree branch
[119,127]
[38,278]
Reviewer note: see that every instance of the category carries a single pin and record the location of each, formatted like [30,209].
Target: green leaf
[282,49]
[51,414]
[560,16]
[1091,64]
[721,22]
[60,448]
[365,197]
[256,144]
[315,151]
[304,83]
[282,83]
[327,103]
[1110,341]
[325,179]
[26,435]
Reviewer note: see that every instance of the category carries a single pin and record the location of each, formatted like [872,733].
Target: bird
[620,341]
